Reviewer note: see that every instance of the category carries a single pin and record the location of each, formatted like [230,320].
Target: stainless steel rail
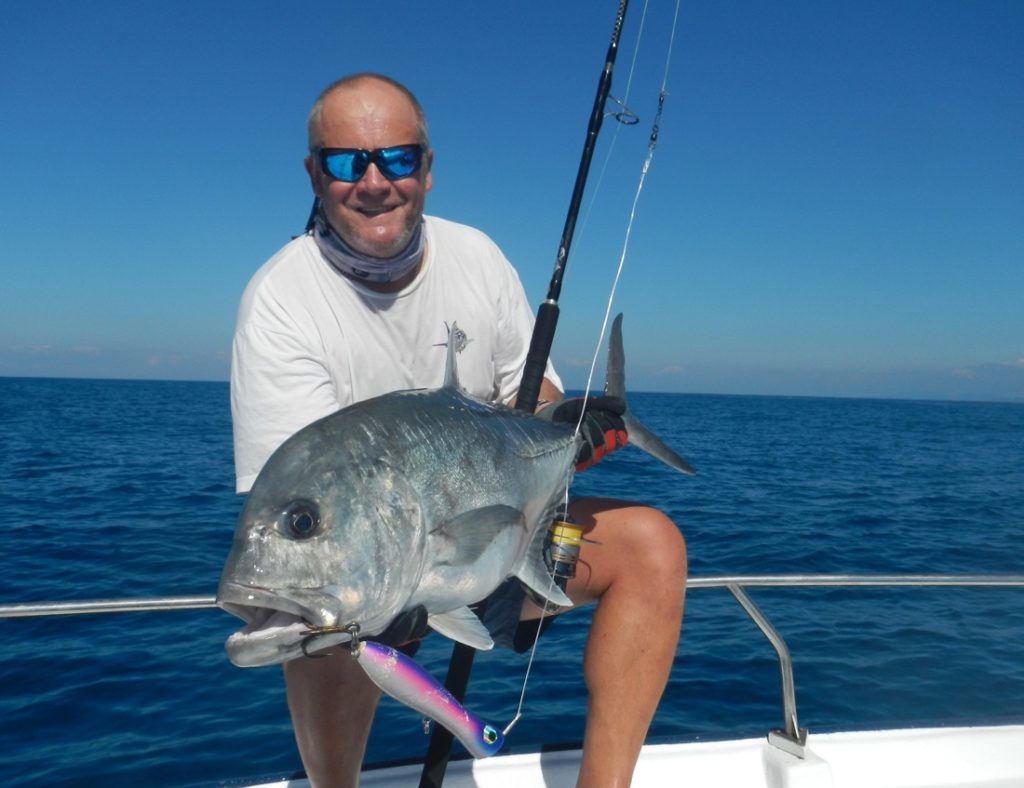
[91,606]
[45,609]
[791,737]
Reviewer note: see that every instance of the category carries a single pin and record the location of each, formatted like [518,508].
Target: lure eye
[301,519]
[490,735]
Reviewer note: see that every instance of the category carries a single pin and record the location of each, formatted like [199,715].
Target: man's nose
[373,179]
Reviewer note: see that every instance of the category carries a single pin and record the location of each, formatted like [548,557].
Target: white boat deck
[981,757]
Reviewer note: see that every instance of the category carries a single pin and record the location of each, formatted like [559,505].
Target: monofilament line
[652,143]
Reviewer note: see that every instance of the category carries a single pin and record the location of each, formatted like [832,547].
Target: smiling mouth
[373,213]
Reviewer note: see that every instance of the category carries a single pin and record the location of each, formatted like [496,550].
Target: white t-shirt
[310,341]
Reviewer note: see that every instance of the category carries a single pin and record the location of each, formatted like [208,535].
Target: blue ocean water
[117,489]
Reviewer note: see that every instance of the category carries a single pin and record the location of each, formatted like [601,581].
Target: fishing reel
[562,550]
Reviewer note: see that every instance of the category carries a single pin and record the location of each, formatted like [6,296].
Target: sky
[835,206]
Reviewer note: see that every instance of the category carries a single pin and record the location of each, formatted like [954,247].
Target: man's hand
[603,430]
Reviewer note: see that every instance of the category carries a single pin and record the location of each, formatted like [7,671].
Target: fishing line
[624,116]
[529,663]
[651,145]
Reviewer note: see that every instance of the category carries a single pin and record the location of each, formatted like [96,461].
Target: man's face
[375,216]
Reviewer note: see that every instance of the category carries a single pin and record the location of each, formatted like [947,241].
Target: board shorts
[501,618]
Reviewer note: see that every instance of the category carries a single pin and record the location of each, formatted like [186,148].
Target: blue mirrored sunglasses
[350,164]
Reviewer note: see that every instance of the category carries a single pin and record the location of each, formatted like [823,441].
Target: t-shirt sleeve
[278,386]
[515,328]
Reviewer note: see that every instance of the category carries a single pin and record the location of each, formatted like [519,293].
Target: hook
[313,632]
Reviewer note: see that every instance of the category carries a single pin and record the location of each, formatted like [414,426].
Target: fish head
[322,541]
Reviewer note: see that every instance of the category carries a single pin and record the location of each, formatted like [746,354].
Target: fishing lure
[408,683]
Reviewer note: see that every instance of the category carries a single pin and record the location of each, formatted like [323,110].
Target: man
[358,307]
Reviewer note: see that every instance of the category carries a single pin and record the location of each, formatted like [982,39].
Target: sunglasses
[350,164]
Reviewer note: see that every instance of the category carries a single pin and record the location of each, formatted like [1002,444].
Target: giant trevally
[425,497]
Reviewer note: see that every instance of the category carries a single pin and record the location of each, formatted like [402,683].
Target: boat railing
[790,737]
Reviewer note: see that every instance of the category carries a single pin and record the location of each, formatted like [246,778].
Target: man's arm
[549,393]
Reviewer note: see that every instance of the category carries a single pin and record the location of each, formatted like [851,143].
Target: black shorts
[501,618]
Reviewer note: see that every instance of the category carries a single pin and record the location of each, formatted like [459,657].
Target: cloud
[93,361]
[50,350]
[30,350]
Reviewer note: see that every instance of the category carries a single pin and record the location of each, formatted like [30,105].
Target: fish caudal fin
[615,385]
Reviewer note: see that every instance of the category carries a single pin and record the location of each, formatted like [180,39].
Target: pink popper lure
[408,683]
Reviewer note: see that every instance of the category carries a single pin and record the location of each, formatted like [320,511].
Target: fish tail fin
[615,385]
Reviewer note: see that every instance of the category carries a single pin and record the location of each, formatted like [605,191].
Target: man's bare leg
[637,574]
[332,703]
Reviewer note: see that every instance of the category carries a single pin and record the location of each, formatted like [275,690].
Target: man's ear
[313,173]
[428,163]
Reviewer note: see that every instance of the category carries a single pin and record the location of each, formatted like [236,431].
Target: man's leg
[332,703]
[637,573]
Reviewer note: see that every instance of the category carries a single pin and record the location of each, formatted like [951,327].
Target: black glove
[603,430]
[405,628]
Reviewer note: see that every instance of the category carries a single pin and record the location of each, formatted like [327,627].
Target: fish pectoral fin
[468,535]
[462,625]
[533,572]
[536,576]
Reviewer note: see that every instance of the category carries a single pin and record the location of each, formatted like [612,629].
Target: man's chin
[382,244]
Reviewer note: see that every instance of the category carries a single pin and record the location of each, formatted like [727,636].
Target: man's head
[374,215]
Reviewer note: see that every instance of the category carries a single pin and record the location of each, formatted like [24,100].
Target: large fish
[420,497]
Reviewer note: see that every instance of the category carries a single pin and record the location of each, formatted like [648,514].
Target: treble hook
[351,629]
[625,116]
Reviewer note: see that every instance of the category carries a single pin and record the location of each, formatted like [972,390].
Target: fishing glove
[603,429]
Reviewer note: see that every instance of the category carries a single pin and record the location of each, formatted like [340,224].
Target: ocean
[124,489]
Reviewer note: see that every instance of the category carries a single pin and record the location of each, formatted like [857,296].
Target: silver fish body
[421,497]
[424,497]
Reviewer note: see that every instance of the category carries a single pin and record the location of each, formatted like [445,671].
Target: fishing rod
[457,679]
[547,313]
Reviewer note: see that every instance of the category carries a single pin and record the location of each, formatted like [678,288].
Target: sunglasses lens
[347,166]
[400,161]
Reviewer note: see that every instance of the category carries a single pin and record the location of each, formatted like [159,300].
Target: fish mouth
[277,625]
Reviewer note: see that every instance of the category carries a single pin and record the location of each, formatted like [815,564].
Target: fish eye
[301,519]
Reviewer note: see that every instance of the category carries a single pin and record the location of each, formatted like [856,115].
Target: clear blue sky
[836,206]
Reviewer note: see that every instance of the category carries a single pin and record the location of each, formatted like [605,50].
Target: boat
[964,756]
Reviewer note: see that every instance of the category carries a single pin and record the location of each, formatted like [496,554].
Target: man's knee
[661,544]
[641,540]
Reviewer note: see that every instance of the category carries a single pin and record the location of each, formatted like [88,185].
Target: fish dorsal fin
[462,625]
[456,339]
